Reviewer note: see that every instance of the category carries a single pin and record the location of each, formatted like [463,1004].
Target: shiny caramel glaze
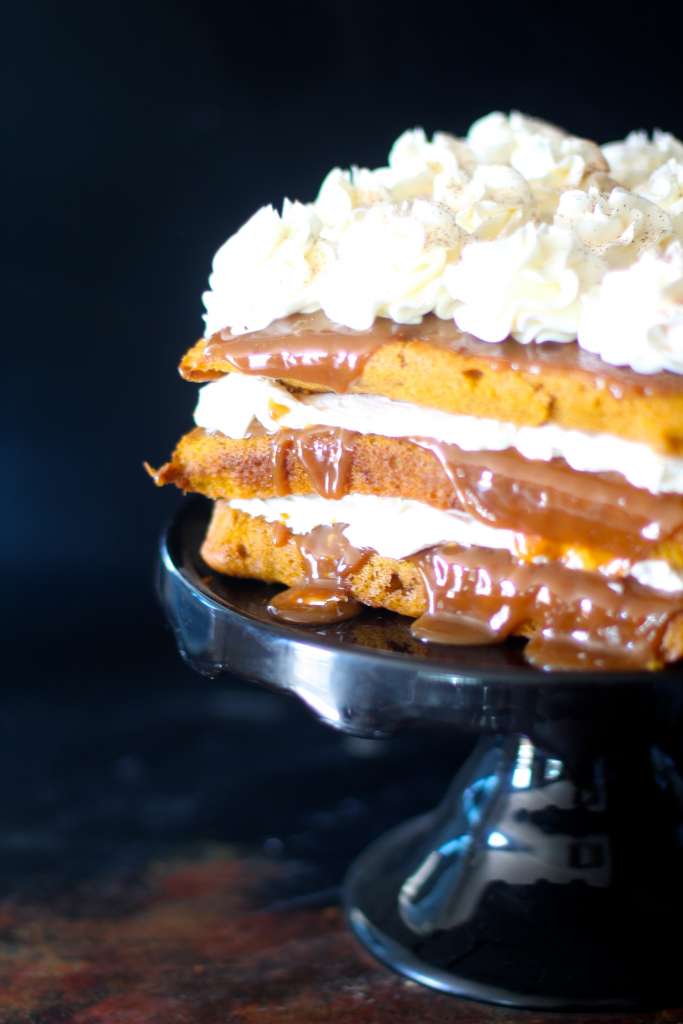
[541,501]
[479,596]
[583,620]
[326,454]
[316,351]
[311,348]
[323,596]
[573,618]
[554,501]
[316,603]
[433,364]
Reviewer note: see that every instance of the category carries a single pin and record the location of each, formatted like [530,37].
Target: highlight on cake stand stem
[549,877]
[531,887]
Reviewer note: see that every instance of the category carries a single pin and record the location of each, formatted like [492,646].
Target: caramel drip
[547,500]
[554,501]
[328,554]
[281,534]
[316,351]
[323,596]
[326,454]
[310,349]
[317,603]
[580,619]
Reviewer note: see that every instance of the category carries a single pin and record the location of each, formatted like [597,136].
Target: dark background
[137,137]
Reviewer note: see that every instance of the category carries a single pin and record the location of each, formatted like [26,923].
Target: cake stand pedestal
[551,876]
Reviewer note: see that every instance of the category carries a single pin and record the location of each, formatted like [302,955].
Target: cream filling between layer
[229,405]
[399,527]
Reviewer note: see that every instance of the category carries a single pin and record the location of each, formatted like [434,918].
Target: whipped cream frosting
[639,308]
[394,527]
[399,527]
[514,230]
[527,285]
[664,187]
[634,159]
[617,225]
[229,405]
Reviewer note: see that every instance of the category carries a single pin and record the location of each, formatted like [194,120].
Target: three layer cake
[452,387]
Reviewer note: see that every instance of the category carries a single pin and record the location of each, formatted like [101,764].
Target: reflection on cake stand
[550,875]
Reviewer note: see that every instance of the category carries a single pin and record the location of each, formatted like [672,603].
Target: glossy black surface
[528,888]
[550,875]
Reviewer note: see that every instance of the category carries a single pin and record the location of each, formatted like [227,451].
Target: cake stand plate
[551,876]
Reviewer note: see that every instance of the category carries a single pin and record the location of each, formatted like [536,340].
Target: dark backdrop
[137,137]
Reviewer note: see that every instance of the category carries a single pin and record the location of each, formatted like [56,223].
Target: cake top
[518,230]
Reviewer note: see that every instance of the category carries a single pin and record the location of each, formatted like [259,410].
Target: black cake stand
[551,876]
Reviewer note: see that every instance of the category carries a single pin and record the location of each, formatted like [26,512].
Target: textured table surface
[209,940]
[171,853]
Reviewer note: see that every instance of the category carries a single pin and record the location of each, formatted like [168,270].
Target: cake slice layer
[435,365]
[554,510]
[628,624]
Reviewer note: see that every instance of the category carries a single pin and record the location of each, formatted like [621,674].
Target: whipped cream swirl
[518,229]
[638,309]
[527,285]
[634,159]
[267,270]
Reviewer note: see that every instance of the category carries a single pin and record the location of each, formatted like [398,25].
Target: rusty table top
[172,851]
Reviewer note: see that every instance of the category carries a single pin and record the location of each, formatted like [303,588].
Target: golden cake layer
[220,467]
[240,545]
[529,385]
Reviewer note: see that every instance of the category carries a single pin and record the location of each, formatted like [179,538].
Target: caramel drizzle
[580,619]
[323,596]
[546,500]
[552,500]
[476,596]
[313,350]
[326,454]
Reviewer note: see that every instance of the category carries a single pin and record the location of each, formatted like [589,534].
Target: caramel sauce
[281,534]
[554,501]
[318,603]
[314,350]
[311,349]
[323,597]
[581,620]
[326,454]
[548,500]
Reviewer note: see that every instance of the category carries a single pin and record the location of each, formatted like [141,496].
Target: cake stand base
[551,877]
[530,888]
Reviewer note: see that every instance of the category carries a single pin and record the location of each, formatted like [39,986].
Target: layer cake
[452,387]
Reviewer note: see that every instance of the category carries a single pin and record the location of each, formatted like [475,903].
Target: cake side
[453,387]
[481,385]
[583,519]
[248,546]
